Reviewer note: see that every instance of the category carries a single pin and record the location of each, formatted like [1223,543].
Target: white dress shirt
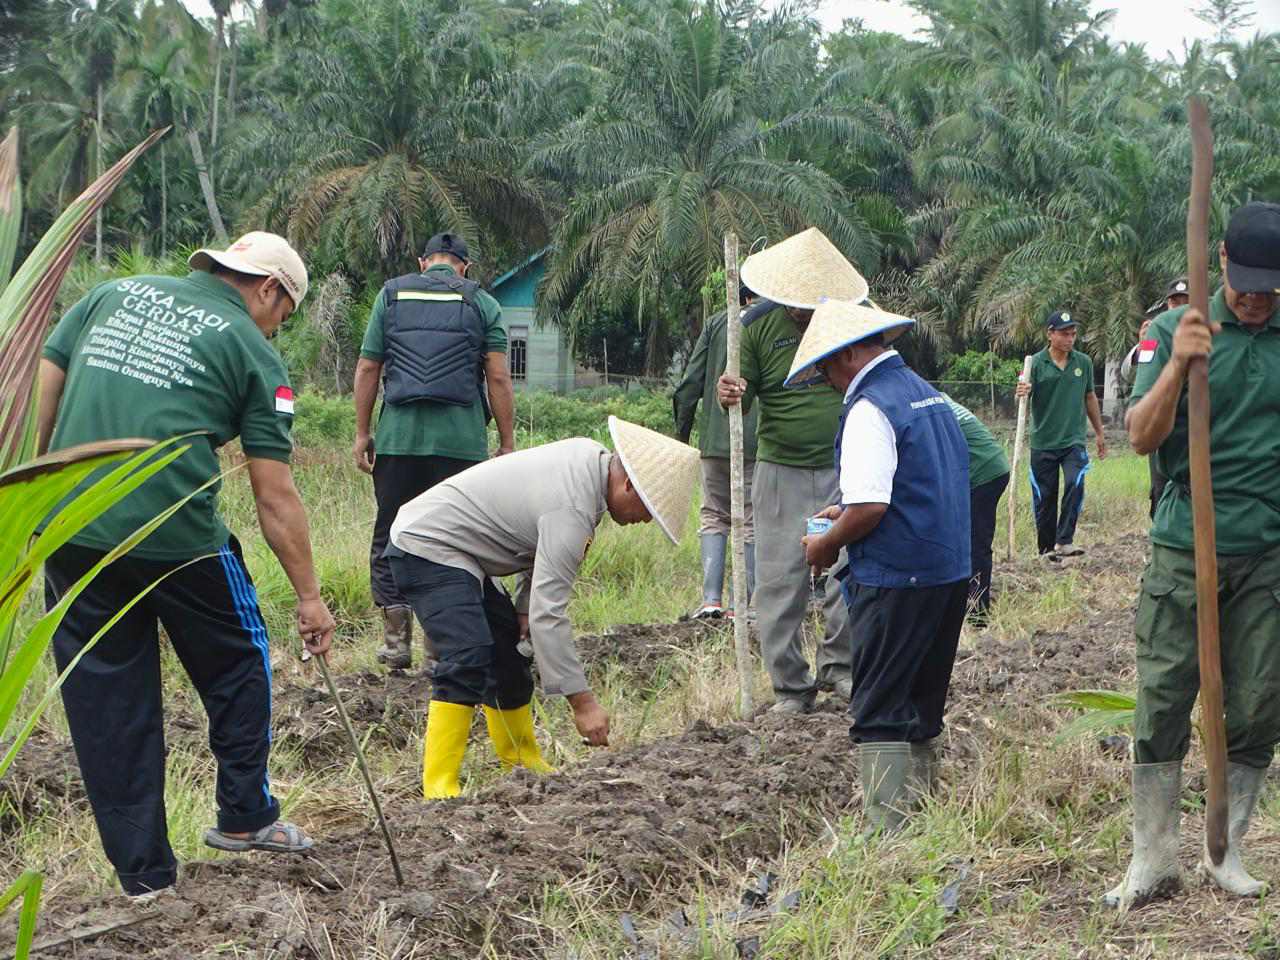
[869,448]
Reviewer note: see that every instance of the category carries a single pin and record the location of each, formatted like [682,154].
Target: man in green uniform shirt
[163,357]
[988,476]
[1244,367]
[1061,391]
[436,344]
[795,467]
[706,363]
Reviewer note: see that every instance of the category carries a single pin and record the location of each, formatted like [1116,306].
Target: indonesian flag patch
[284,400]
[1146,351]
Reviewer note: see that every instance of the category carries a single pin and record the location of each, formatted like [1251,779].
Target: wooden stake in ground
[364,769]
[1017,448]
[737,501]
[1212,722]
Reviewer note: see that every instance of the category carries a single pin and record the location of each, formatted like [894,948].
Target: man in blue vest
[903,521]
[436,343]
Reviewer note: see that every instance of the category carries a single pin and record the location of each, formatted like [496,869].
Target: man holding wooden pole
[1241,342]
[795,477]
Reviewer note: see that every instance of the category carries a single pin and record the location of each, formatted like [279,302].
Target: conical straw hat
[835,325]
[803,270]
[663,470]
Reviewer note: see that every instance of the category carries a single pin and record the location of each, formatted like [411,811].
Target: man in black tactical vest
[436,343]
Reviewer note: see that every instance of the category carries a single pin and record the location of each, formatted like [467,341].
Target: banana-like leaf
[28,494]
[1097,700]
[27,301]
[1104,710]
[33,647]
[10,204]
[28,887]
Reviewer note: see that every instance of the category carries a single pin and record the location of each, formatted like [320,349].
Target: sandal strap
[271,833]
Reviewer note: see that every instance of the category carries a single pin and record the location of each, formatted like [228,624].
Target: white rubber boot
[1153,872]
[1243,785]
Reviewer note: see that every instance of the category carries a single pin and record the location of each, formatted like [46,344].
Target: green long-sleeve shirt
[706,364]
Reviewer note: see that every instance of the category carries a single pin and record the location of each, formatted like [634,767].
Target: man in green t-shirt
[436,344]
[1243,334]
[163,357]
[988,477]
[795,463]
[1061,391]
[698,385]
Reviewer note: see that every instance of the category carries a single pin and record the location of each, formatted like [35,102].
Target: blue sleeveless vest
[434,340]
[923,538]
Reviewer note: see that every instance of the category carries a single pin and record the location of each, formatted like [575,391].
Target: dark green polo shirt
[157,357]
[425,428]
[701,376]
[797,425]
[986,457]
[1244,435]
[1057,400]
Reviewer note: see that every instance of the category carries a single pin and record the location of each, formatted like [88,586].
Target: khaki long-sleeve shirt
[532,512]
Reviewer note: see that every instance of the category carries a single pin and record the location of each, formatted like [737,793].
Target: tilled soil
[645,821]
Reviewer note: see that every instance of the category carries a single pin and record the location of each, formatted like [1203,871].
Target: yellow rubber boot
[448,727]
[513,740]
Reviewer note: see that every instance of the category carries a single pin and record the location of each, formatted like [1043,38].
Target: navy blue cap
[1060,320]
[449,243]
[1253,248]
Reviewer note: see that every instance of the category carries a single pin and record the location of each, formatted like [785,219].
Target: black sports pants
[113,696]
[982,531]
[904,646]
[473,630]
[397,479]
[1054,527]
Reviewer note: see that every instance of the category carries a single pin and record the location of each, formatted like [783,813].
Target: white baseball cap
[259,254]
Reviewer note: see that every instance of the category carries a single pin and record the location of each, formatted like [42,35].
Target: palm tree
[369,185]
[691,137]
[98,29]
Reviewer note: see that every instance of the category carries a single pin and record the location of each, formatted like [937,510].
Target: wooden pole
[737,487]
[364,768]
[1212,722]
[1017,447]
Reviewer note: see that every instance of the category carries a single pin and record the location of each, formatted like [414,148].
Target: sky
[1159,24]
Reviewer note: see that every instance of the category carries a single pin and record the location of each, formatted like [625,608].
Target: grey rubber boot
[397,637]
[924,767]
[1153,872]
[886,793]
[713,547]
[1243,786]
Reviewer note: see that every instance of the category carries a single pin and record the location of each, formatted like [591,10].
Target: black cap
[1253,248]
[449,243]
[1060,320]
[1178,287]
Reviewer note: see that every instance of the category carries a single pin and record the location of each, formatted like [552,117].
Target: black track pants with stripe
[1053,525]
[114,705]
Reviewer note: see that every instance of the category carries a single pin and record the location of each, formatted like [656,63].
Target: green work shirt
[797,426]
[426,428]
[986,457]
[706,364]
[157,357]
[1244,370]
[1057,400]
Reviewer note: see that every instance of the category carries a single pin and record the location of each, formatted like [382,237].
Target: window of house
[518,352]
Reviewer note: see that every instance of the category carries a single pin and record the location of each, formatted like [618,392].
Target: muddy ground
[650,820]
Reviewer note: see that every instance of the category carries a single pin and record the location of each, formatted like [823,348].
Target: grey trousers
[783,498]
[716,515]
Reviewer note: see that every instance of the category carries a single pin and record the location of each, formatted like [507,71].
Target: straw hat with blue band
[803,270]
[837,324]
[663,470]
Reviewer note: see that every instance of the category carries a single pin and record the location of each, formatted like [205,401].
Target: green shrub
[320,421]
